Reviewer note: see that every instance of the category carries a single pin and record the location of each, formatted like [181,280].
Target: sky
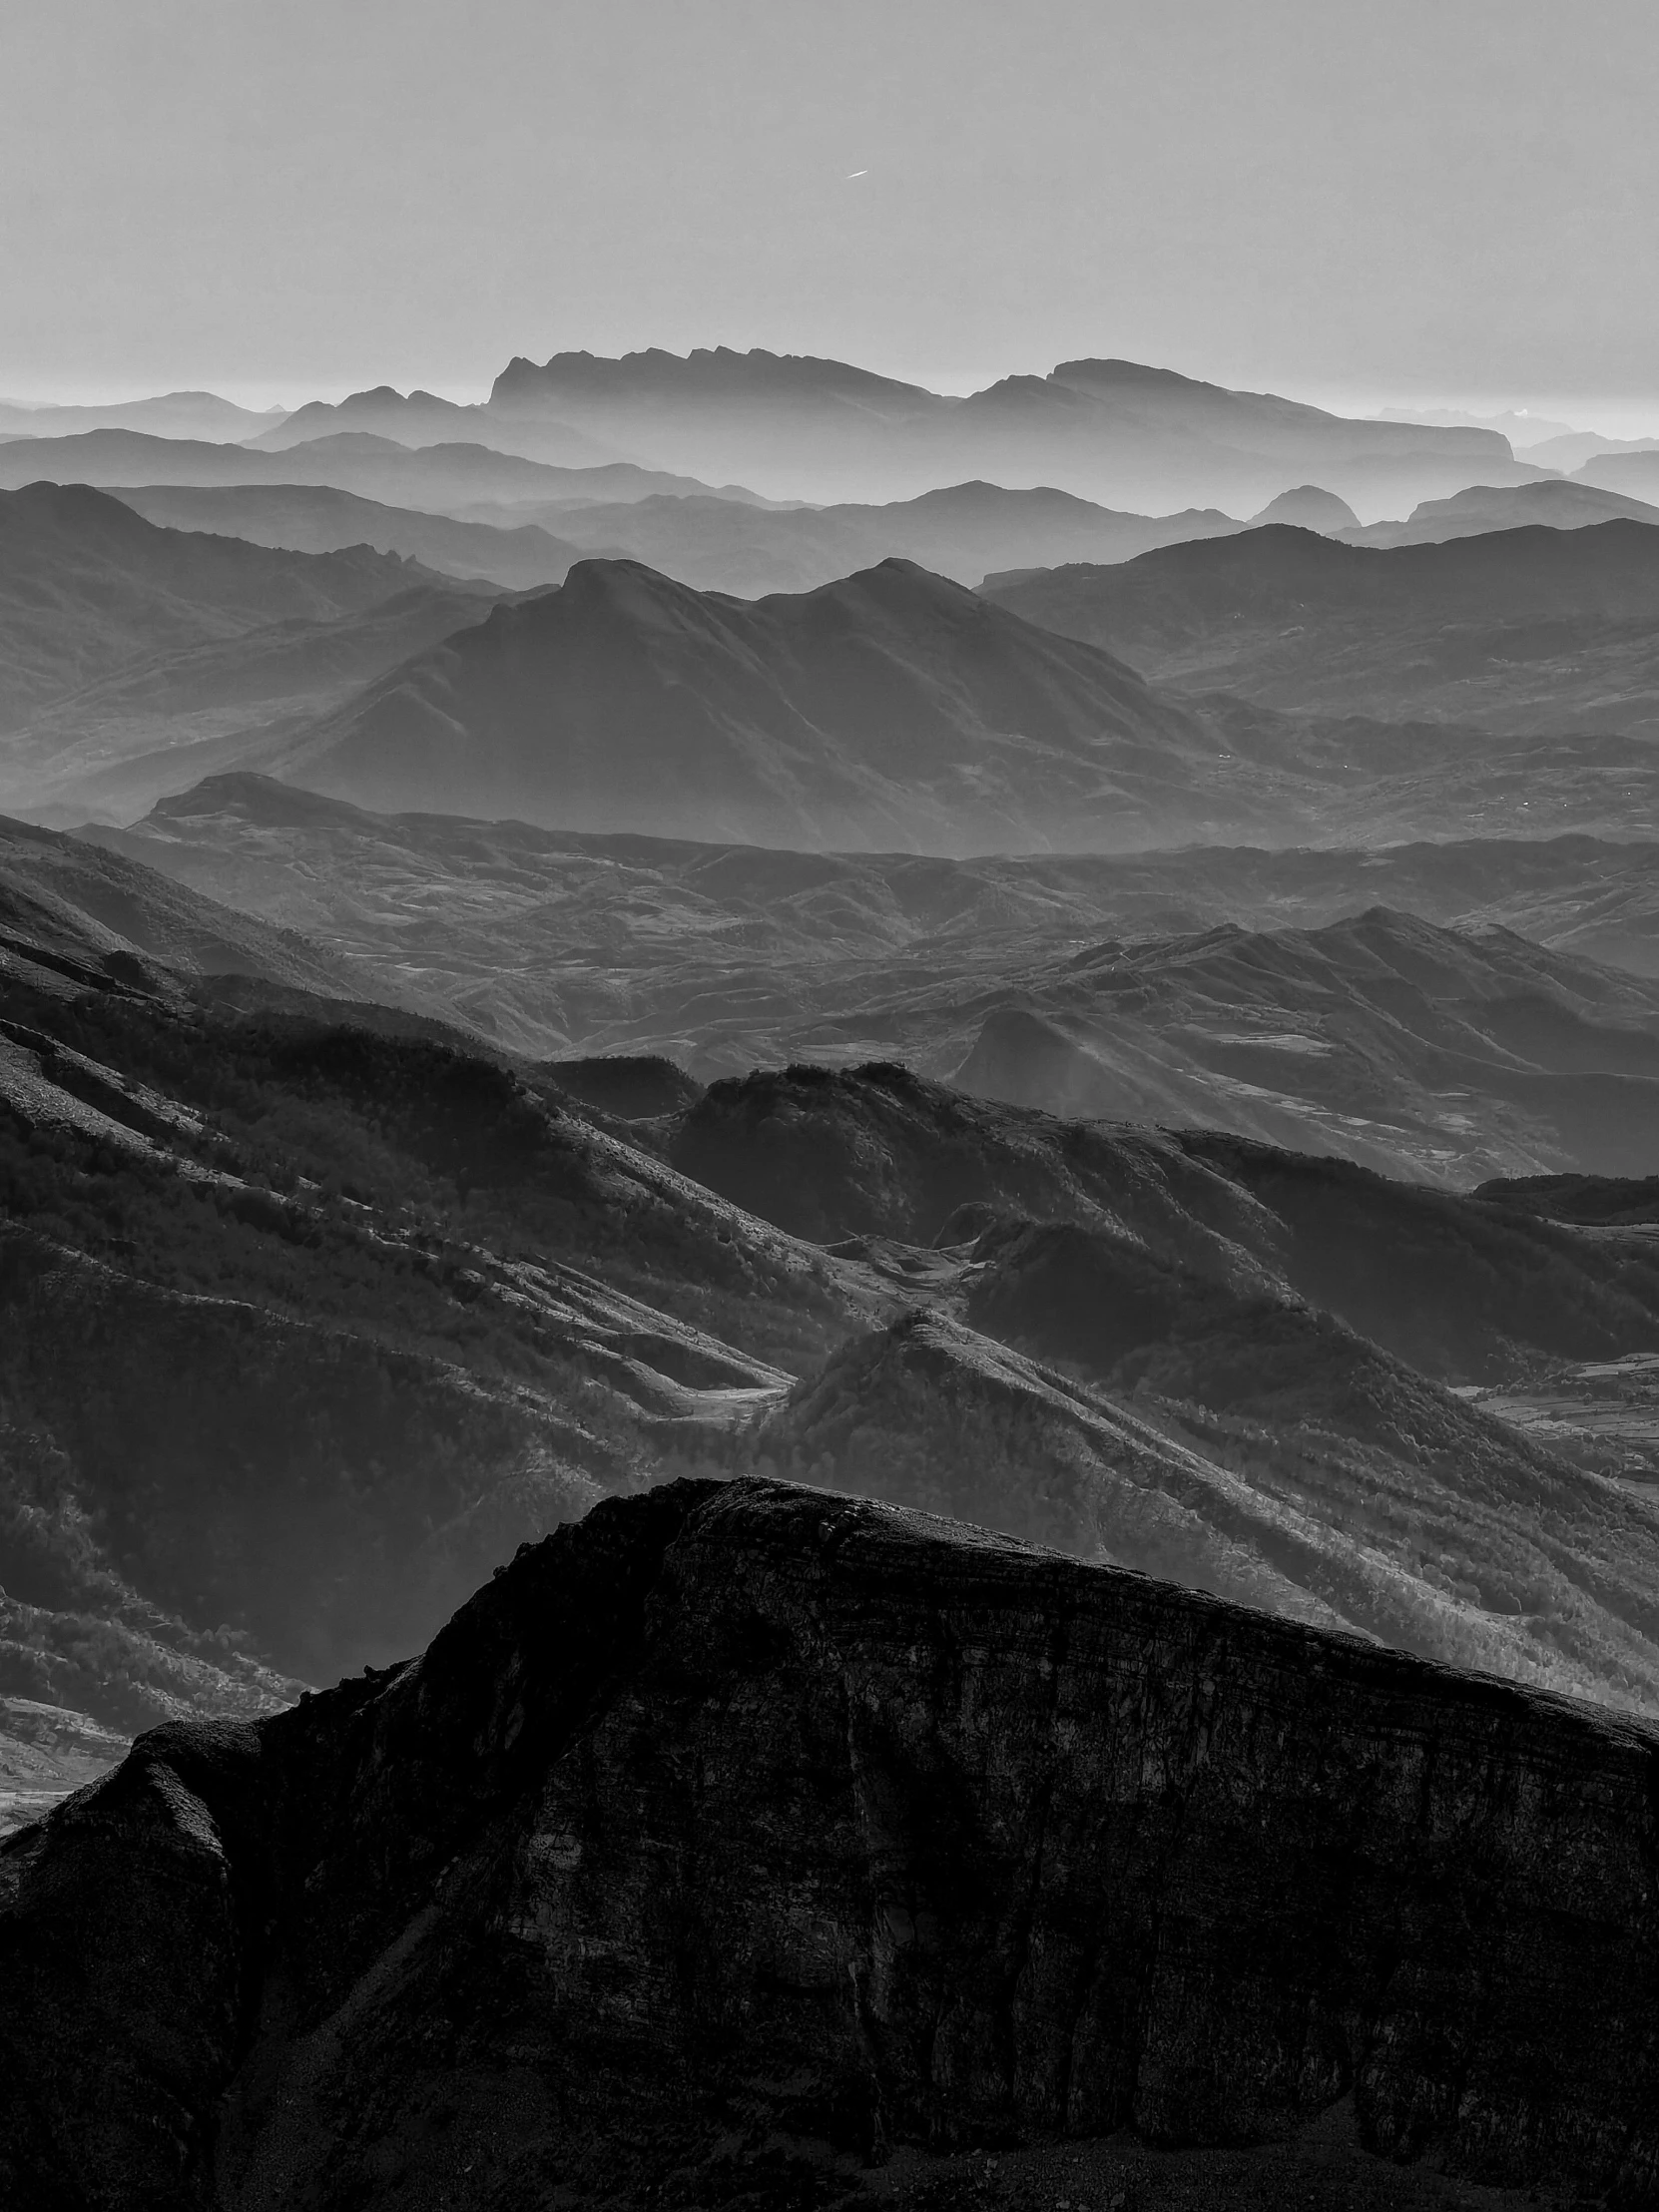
[1356,201]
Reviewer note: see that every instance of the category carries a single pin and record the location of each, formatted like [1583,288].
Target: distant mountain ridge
[76,918]
[733,957]
[87,586]
[1528,629]
[318,518]
[120,639]
[1379,1039]
[962,531]
[1485,508]
[435,478]
[1307,507]
[418,418]
[1636,474]
[1118,433]
[178,414]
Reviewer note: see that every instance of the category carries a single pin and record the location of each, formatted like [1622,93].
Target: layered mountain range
[1516,629]
[799,427]
[174,414]
[318,518]
[1558,505]
[977,1265]
[227,1190]
[1110,430]
[890,708]
[124,646]
[1443,1054]
[434,477]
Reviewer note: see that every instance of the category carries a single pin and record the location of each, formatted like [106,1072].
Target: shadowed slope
[795,1830]
[889,706]
[1457,1285]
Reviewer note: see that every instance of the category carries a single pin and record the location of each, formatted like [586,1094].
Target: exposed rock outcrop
[740,1813]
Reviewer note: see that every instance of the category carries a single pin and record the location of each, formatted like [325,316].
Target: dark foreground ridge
[745,1815]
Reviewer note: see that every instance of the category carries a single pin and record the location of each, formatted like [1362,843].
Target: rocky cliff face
[743,1815]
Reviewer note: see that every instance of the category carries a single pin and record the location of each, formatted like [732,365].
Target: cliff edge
[747,1814]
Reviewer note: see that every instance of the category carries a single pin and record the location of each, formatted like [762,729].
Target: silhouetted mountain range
[1523,629]
[1635,474]
[962,531]
[174,414]
[1115,431]
[433,479]
[1307,507]
[1483,508]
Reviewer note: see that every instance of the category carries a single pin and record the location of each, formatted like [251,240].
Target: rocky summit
[743,1843]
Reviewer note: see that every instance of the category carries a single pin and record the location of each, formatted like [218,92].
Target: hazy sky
[1408,199]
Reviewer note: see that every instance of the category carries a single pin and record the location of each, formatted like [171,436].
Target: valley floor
[1604,1414]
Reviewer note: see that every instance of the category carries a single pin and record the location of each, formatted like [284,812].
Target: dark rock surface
[746,1831]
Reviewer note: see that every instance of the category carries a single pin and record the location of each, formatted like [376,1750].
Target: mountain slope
[1115,1406]
[88,587]
[1523,629]
[888,708]
[1380,1040]
[1486,507]
[728,958]
[802,1833]
[120,640]
[883,711]
[880,1152]
[97,920]
[315,519]
[253,1234]
[308,1312]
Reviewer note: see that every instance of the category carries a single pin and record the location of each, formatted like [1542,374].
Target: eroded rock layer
[742,1813]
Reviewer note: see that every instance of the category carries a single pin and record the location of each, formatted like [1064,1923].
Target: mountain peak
[1308,507]
[887,708]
